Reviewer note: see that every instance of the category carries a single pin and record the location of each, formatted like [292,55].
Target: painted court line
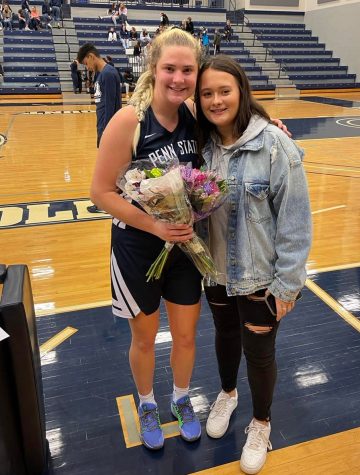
[333,268]
[130,422]
[328,209]
[56,340]
[333,304]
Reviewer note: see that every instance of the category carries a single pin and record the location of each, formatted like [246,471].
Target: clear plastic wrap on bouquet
[160,191]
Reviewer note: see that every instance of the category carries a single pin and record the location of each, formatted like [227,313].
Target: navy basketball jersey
[158,144]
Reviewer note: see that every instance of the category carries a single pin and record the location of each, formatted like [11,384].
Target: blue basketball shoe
[189,424]
[151,433]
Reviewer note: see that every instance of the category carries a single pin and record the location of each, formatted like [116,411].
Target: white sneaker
[254,453]
[220,413]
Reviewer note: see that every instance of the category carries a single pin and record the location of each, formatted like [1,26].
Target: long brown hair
[247,106]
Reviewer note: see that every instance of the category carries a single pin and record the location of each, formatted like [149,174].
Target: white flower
[134,176]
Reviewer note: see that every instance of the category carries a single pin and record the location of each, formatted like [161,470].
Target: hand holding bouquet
[161,193]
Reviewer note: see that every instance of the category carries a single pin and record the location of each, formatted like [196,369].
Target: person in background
[7,16]
[107,92]
[46,17]
[123,14]
[21,19]
[112,35]
[133,34]
[147,53]
[74,67]
[124,36]
[144,37]
[189,26]
[137,52]
[164,20]
[56,11]
[216,42]
[228,31]
[113,13]
[35,22]
[110,61]
[260,240]
[25,7]
[205,41]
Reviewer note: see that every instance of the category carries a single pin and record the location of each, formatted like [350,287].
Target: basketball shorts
[132,253]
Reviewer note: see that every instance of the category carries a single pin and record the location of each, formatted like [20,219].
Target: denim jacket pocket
[258,208]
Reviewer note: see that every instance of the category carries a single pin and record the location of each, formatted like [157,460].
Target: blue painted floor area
[332,101]
[334,284]
[317,394]
[323,127]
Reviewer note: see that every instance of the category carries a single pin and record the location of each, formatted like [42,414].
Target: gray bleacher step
[28,63]
[282,82]
[274,73]
[250,42]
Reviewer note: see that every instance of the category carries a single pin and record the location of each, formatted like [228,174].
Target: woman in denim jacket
[260,240]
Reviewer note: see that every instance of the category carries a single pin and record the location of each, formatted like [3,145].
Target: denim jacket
[269,218]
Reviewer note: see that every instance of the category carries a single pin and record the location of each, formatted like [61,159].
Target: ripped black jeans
[232,315]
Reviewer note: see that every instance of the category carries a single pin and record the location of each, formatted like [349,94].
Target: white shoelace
[220,407]
[257,439]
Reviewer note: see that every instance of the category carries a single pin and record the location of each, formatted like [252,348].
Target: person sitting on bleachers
[46,17]
[25,7]
[7,16]
[129,78]
[228,31]
[133,34]
[124,36]
[35,22]
[144,37]
[56,11]
[21,19]
[112,35]
[113,13]
[123,12]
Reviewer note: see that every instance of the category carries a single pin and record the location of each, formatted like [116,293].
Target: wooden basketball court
[47,154]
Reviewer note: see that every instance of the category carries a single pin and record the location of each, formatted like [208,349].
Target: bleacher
[29,63]
[95,30]
[306,62]
[32,59]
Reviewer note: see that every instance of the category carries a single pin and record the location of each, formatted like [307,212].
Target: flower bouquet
[160,191]
[206,190]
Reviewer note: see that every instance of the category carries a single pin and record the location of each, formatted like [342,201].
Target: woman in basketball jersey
[160,122]
[157,123]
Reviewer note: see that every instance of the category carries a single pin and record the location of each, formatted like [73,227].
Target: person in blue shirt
[107,90]
[205,41]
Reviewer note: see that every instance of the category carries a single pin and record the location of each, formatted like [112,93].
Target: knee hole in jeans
[259,329]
